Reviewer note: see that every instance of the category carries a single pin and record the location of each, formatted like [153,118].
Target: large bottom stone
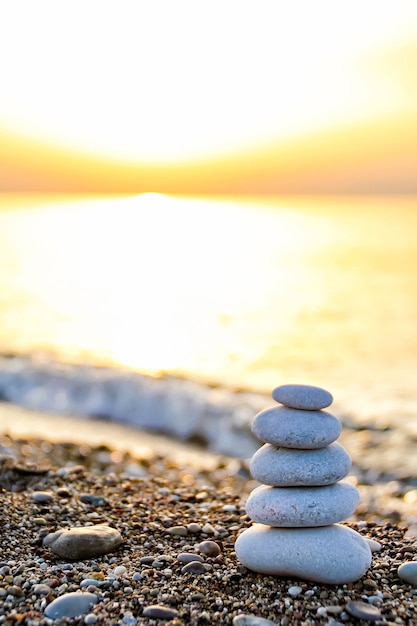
[332,555]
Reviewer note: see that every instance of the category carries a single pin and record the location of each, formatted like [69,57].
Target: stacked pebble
[301,501]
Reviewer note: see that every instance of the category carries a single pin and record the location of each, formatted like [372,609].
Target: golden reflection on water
[230,290]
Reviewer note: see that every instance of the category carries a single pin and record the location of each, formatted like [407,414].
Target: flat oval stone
[408,572]
[70,605]
[332,555]
[363,610]
[158,611]
[85,542]
[289,467]
[251,620]
[304,397]
[302,506]
[295,428]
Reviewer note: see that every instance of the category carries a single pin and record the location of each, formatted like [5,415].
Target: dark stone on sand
[194,567]
[210,548]
[362,610]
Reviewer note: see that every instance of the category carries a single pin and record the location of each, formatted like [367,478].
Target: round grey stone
[297,507]
[408,572]
[289,467]
[295,428]
[70,605]
[304,397]
[363,610]
[84,542]
[332,555]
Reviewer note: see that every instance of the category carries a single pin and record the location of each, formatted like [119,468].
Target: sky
[209,97]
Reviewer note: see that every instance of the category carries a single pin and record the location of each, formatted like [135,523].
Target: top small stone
[302,397]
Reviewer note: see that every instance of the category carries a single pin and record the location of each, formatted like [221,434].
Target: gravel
[146,579]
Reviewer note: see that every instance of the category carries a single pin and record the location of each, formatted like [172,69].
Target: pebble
[94,500]
[157,611]
[294,591]
[289,467]
[374,545]
[91,618]
[363,610]
[41,589]
[42,497]
[70,605]
[210,548]
[302,506]
[194,567]
[83,542]
[304,397]
[295,428]
[251,620]
[408,572]
[179,531]
[332,554]
[187,557]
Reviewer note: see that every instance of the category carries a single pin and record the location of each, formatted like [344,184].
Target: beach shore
[165,499]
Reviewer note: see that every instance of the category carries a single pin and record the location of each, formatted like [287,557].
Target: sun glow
[163,81]
[149,283]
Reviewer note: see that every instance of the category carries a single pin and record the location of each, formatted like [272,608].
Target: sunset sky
[209,97]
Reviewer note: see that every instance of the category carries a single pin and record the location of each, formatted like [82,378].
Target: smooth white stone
[295,428]
[297,507]
[304,397]
[332,555]
[288,467]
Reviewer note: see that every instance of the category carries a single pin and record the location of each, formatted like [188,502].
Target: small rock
[294,591]
[94,500]
[208,529]
[70,605]
[408,572]
[194,528]
[42,497]
[187,557]
[41,589]
[83,542]
[374,545]
[362,610]
[210,548]
[157,611]
[15,590]
[89,619]
[304,397]
[179,531]
[194,567]
[251,620]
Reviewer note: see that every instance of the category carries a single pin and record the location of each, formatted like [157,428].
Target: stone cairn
[301,498]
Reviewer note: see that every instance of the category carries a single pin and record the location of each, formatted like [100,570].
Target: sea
[179,315]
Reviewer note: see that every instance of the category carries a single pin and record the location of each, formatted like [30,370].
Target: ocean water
[181,314]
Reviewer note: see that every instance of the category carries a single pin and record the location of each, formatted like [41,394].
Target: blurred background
[201,200]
